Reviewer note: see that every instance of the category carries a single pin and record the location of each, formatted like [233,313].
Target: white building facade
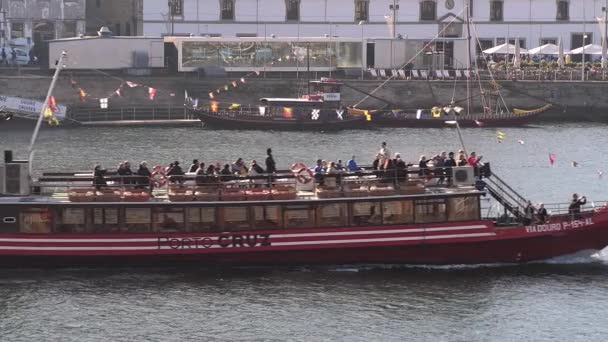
[533,22]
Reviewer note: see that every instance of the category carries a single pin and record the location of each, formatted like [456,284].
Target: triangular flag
[418,114]
[499,136]
[48,112]
[234,84]
[234,106]
[132,84]
[226,87]
[118,91]
[479,123]
[211,95]
[552,158]
[52,104]
[242,80]
[151,93]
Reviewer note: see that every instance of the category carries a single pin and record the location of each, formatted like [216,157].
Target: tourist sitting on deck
[194,167]
[541,214]
[255,168]
[239,167]
[319,171]
[226,173]
[332,169]
[340,165]
[144,174]
[352,165]
[462,160]
[211,170]
[201,175]
[575,205]
[124,170]
[98,177]
[423,166]
[175,173]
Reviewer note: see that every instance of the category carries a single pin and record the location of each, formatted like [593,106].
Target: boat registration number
[559,226]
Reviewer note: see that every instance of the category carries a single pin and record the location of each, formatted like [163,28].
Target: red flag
[552,158]
[52,104]
[151,93]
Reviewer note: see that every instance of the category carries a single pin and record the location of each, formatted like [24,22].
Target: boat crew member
[529,211]
[542,214]
[271,165]
[575,205]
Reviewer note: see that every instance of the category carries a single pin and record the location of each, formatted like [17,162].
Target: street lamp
[361,23]
[583,66]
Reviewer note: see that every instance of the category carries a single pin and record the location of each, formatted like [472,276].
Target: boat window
[267,217]
[395,212]
[137,220]
[105,220]
[201,219]
[35,221]
[168,219]
[430,211]
[71,220]
[332,215]
[463,208]
[299,217]
[366,213]
[235,218]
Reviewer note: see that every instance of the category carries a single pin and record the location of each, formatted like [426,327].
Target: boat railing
[510,199]
[84,115]
[322,185]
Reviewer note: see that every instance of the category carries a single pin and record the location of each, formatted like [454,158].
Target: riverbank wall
[572,100]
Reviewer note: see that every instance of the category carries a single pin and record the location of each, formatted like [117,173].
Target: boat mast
[58,68]
[467,19]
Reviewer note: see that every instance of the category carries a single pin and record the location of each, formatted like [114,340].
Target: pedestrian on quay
[4,57]
[14,57]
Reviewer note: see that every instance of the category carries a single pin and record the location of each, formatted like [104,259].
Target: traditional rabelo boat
[290,218]
[319,110]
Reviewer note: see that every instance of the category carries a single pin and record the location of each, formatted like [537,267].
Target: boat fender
[436,111]
[304,175]
[159,176]
[297,167]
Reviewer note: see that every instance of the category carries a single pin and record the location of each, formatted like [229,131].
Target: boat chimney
[14,176]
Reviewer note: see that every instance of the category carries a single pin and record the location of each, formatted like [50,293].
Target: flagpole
[58,68]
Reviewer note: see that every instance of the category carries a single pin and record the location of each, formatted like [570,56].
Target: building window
[361,10]
[484,44]
[177,7]
[496,10]
[545,41]
[428,10]
[563,7]
[292,10]
[227,9]
[17,30]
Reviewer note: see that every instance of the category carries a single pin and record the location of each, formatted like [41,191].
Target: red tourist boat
[292,218]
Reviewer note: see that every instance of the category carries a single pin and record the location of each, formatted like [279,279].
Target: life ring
[304,175]
[436,111]
[159,177]
[296,167]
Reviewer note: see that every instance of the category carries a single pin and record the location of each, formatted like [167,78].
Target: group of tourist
[539,215]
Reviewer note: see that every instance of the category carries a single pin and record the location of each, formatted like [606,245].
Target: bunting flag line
[552,158]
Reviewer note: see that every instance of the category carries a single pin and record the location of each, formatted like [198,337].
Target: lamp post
[361,23]
[583,64]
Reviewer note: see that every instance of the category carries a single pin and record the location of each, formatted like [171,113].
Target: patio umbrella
[560,54]
[547,49]
[503,49]
[590,49]
[517,56]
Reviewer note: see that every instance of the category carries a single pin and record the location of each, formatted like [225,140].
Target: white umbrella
[590,49]
[560,54]
[517,56]
[547,49]
[503,49]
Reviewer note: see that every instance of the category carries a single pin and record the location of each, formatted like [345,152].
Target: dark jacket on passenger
[144,174]
[270,164]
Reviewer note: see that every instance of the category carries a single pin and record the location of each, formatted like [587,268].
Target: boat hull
[478,242]
[276,123]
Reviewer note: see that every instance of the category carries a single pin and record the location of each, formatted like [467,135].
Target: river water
[559,299]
